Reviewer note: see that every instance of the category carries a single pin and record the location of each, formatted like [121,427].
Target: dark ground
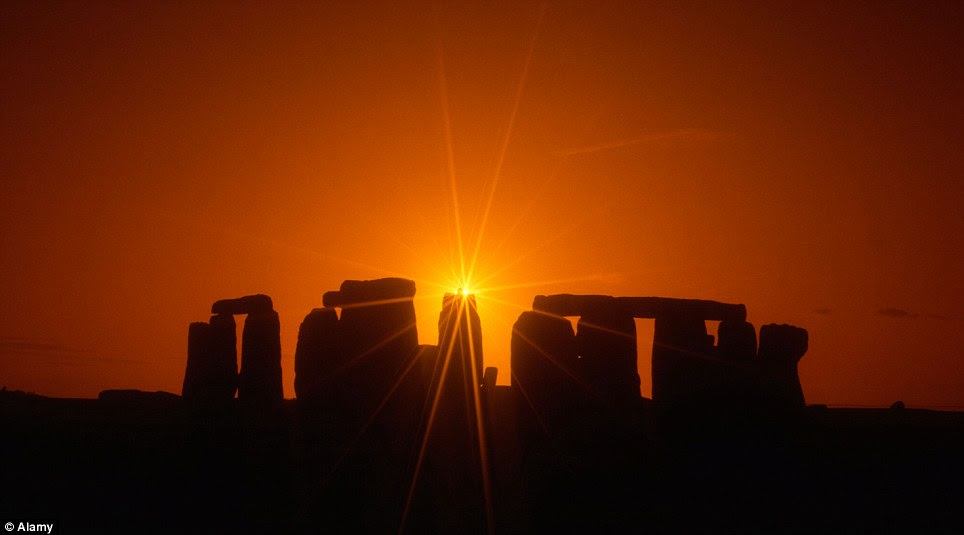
[147,462]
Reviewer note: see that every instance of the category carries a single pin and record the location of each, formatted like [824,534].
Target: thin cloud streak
[683,134]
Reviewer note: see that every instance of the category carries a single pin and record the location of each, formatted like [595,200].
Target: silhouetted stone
[544,362]
[198,353]
[738,367]
[737,342]
[489,377]
[680,352]
[370,292]
[638,307]
[451,492]
[781,348]
[378,339]
[249,304]
[260,379]
[459,322]
[318,353]
[606,339]
[223,382]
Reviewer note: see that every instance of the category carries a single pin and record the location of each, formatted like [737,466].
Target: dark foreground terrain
[148,462]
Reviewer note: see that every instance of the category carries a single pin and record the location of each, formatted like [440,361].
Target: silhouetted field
[149,462]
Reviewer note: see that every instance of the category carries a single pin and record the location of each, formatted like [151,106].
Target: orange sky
[803,159]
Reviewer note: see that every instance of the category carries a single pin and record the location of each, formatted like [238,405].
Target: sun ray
[593,277]
[503,149]
[682,133]
[536,248]
[430,421]
[480,424]
[368,352]
[371,419]
[449,147]
[579,381]
[533,198]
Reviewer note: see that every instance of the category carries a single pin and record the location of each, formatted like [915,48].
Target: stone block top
[637,307]
[373,292]
[249,304]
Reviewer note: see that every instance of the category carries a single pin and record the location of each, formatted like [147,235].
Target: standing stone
[198,353]
[737,342]
[459,325]
[212,373]
[738,366]
[452,484]
[260,378]
[681,349]
[781,348]
[544,365]
[224,357]
[318,353]
[378,338]
[606,339]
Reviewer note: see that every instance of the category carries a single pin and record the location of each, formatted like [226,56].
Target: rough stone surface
[249,304]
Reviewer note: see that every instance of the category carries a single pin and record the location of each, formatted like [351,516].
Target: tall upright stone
[224,356]
[378,339]
[681,349]
[212,374]
[318,354]
[544,365]
[606,339]
[781,348]
[198,353]
[738,371]
[260,378]
[453,484]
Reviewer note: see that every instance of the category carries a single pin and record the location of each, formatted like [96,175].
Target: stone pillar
[680,348]
[606,339]
[544,365]
[224,356]
[318,354]
[260,378]
[781,348]
[198,353]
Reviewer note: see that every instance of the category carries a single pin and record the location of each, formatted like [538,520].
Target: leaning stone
[249,304]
